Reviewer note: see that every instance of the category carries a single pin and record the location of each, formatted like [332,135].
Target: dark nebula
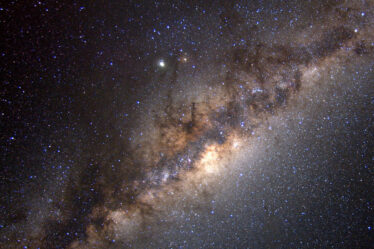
[187,124]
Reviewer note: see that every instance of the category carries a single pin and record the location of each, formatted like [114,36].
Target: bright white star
[161,63]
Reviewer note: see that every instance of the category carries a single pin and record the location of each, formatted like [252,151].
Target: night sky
[187,124]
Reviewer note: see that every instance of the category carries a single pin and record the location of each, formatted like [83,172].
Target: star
[161,63]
